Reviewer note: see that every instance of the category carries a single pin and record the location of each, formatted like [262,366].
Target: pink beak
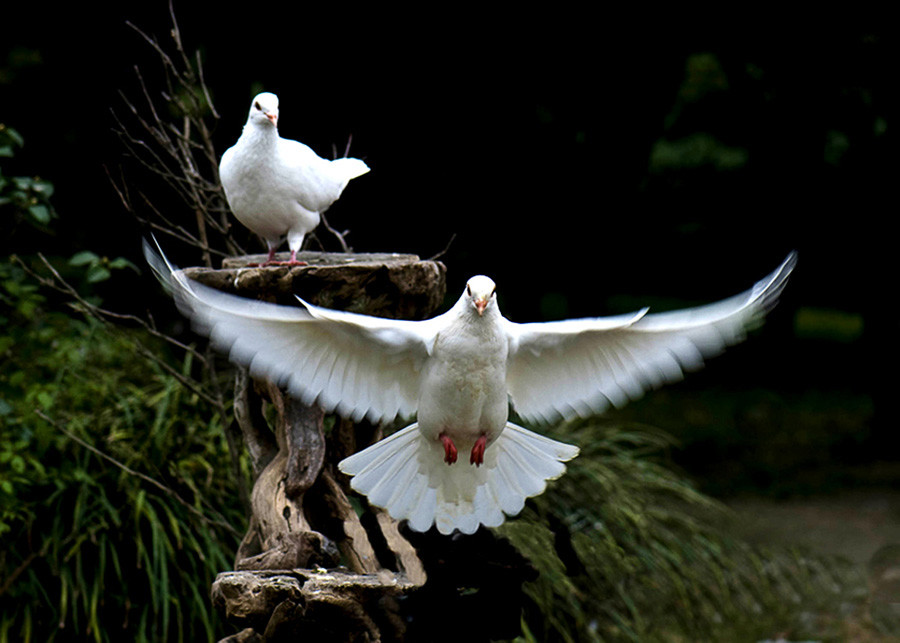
[480,305]
[272,117]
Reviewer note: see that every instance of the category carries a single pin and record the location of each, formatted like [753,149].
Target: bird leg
[268,262]
[477,457]
[294,262]
[449,448]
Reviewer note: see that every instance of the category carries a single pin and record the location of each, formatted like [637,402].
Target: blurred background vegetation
[591,167]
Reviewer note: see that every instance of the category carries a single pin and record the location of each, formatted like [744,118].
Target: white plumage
[278,187]
[458,372]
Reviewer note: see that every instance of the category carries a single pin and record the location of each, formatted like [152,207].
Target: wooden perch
[302,516]
[397,286]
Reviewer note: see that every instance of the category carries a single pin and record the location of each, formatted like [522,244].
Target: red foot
[449,449]
[268,262]
[293,261]
[477,457]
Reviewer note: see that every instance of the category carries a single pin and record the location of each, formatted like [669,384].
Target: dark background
[588,163]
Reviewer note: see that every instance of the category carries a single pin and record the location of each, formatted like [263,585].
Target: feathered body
[278,187]
[463,396]
[463,388]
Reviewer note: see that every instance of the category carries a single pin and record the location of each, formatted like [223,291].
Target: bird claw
[292,262]
[450,452]
[477,457]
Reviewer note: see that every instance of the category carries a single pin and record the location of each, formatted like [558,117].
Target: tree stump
[308,564]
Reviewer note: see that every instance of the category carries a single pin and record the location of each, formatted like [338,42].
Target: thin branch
[347,147]
[340,236]
[180,151]
[59,284]
[87,308]
[445,250]
[9,580]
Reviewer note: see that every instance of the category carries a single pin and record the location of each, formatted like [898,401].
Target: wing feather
[357,365]
[581,367]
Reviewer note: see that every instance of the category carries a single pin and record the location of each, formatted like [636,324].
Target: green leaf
[13,135]
[97,273]
[45,399]
[17,464]
[44,188]
[22,182]
[40,213]
[83,258]
[121,262]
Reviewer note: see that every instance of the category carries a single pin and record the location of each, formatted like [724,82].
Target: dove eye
[256,105]
[469,289]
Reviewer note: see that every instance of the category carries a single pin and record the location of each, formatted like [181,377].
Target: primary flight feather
[278,187]
[458,373]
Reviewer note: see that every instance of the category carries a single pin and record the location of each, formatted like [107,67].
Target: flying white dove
[278,187]
[459,372]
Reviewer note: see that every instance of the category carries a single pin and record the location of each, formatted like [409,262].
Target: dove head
[264,110]
[480,292]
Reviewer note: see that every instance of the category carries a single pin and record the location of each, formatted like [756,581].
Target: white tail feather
[405,473]
[348,168]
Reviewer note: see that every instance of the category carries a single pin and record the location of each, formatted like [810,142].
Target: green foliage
[99,268]
[120,541]
[651,559]
[114,519]
[115,515]
[27,198]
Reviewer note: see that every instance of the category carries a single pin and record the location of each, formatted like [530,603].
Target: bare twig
[59,284]
[104,316]
[445,250]
[178,151]
[14,574]
[340,236]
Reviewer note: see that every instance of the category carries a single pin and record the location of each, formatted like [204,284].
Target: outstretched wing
[580,367]
[356,365]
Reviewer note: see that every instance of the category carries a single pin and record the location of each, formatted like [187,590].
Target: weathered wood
[397,286]
[311,605]
[302,517]
[258,435]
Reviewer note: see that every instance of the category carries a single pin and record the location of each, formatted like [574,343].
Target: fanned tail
[405,473]
[348,168]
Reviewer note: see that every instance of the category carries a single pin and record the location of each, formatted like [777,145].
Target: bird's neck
[259,137]
[479,325]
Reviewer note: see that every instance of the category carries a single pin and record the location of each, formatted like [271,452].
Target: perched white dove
[278,187]
[459,372]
